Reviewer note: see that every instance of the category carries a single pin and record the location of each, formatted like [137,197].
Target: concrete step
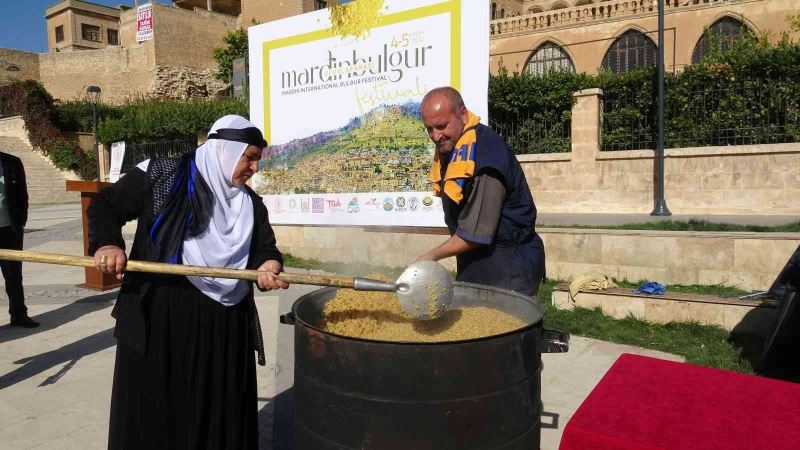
[46,184]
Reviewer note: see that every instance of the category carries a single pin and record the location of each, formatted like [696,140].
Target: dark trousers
[12,272]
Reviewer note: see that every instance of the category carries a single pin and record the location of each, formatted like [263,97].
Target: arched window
[631,50]
[494,11]
[723,34]
[559,5]
[535,9]
[502,12]
[583,2]
[549,57]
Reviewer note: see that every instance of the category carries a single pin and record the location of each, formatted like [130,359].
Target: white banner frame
[465,53]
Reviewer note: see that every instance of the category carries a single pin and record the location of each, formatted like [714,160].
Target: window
[113,37]
[631,50]
[320,4]
[549,57]
[502,13]
[60,33]
[723,34]
[494,11]
[90,32]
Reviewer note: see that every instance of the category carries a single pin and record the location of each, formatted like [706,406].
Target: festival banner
[144,23]
[337,93]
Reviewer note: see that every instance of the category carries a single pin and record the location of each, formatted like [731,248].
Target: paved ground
[55,380]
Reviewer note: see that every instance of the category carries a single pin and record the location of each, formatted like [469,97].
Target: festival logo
[278,206]
[317,205]
[427,203]
[293,205]
[304,205]
[352,207]
[372,203]
[388,204]
[334,204]
[401,204]
[413,204]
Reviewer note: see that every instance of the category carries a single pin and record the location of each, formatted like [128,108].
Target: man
[487,205]
[13,216]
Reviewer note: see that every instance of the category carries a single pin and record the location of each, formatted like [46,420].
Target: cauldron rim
[532,300]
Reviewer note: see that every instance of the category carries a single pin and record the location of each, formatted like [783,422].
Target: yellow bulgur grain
[378,316]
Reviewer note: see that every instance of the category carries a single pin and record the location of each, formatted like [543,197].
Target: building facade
[78,25]
[176,63]
[591,35]
[619,35]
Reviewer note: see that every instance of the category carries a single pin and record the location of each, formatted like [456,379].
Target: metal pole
[96,147]
[660,207]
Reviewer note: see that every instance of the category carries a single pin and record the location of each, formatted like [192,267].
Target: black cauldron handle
[288,318]
[554,341]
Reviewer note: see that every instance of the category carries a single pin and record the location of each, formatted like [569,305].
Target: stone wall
[187,38]
[747,180]
[121,73]
[268,10]
[27,62]
[747,260]
[185,83]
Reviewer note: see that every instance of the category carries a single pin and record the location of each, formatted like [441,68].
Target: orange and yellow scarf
[461,166]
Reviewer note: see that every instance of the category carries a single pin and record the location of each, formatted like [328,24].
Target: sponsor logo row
[356,204]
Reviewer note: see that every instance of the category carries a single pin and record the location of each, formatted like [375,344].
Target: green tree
[235,47]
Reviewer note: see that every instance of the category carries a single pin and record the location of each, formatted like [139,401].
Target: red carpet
[647,403]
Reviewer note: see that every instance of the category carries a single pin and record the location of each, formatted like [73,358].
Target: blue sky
[22,24]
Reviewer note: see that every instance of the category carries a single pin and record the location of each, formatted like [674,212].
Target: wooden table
[95,279]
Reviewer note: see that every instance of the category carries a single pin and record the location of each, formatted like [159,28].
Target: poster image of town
[386,150]
[340,108]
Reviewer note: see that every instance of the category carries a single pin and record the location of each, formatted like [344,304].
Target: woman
[184,377]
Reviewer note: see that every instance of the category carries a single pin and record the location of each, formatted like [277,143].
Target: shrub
[34,104]
[163,119]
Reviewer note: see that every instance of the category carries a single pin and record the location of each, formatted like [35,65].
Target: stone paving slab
[55,381]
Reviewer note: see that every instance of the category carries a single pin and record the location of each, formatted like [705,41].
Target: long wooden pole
[176,269]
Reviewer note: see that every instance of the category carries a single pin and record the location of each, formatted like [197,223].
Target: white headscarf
[226,241]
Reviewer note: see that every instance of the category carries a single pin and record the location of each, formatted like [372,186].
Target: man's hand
[111,259]
[451,247]
[267,280]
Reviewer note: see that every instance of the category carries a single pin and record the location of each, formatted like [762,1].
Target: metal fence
[536,132]
[763,114]
[136,152]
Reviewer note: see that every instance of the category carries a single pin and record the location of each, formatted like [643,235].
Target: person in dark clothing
[184,375]
[13,217]
[487,204]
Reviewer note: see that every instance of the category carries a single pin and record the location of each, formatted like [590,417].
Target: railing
[712,117]
[136,152]
[536,132]
[587,13]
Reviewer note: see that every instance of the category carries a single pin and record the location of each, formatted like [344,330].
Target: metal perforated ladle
[424,289]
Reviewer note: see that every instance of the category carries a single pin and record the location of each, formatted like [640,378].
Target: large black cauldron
[475,394]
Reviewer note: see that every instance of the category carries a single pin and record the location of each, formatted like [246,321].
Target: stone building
[176,63]
[78,25]
[619,35]
[587,35]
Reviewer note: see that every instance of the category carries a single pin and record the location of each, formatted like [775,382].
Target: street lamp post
[93,94]
[660,207]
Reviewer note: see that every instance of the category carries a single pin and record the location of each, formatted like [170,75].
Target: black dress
[184,376]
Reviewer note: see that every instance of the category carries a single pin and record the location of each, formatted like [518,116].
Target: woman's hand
[111,259]
[267,279]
